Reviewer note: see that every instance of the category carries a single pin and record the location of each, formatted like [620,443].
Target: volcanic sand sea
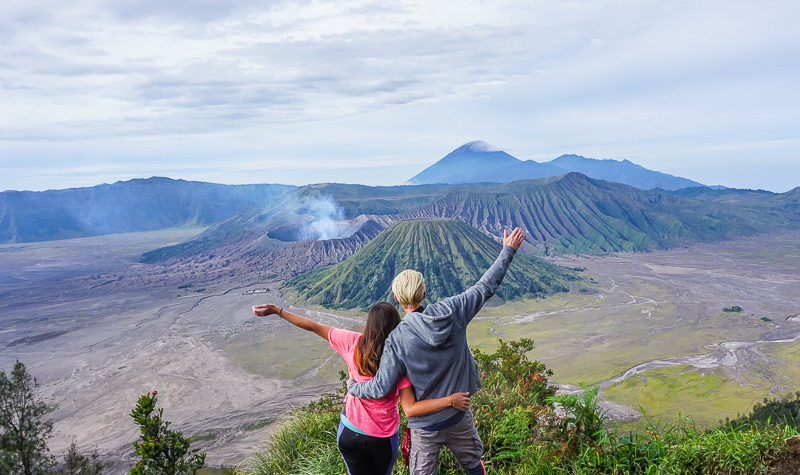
[97,329]
[96,336]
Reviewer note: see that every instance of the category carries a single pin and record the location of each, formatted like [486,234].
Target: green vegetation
[705,394]
[523,434]
[23,429]
[159,449]
[780,411]
[77,463]
[451,256]
[24,432]
[577,214]
[733,308]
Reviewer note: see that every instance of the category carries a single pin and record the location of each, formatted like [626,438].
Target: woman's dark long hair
[381,320]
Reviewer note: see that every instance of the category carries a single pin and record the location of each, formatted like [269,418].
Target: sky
[373,92]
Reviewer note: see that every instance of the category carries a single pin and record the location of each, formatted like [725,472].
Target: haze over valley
[112,291]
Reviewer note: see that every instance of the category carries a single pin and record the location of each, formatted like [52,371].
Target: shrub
[512,408]
[161,450]
[306,442]
[527,428]
[783,411]
[679,449]
[78,463]
[23,431]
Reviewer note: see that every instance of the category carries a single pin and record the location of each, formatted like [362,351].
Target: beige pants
[462,439]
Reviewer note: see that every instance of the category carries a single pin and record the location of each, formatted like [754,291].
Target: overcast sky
[299,92]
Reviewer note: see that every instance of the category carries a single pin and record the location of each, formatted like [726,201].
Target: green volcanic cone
[450,254]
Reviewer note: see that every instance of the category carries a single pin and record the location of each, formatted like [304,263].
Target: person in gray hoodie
[430,348]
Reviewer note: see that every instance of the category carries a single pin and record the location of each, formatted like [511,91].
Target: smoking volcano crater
[312,228]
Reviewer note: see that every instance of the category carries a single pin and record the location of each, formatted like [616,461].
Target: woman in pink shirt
[367,435]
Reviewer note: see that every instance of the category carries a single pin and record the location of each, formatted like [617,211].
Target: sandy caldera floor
[95,344]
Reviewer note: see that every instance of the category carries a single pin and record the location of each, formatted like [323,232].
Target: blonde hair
[409,288]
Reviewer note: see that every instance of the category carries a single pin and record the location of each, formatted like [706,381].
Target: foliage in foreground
[23,431]
[527,428]
[160,449]
[78,463]
[780,411]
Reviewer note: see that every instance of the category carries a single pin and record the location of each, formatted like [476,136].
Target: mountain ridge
[573,213]
[124,206]
[472,163]
[565,214]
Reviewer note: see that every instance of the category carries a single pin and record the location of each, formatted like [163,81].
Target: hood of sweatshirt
[432,329]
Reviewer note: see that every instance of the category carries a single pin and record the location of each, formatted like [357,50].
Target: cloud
[349,80]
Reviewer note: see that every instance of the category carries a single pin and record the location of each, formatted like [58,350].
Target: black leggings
[365,454]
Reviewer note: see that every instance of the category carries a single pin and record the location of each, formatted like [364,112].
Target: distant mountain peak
[478,146]
[468,160]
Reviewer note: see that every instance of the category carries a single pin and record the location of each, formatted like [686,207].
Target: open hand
[460,401]
[515,239]
[266,309]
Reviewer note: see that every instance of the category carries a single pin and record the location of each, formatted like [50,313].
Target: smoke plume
[326,222]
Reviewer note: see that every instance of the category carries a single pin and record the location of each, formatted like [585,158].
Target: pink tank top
[376,417]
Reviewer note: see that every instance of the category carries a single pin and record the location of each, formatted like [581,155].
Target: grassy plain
[660,316]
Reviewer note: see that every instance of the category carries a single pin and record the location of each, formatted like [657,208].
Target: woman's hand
[460,401]
[266,309]
[293,318]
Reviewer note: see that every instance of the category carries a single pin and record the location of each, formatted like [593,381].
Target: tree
[23,441]
[77,463]
[161,450]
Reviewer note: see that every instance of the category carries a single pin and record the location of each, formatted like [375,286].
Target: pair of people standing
[423,360]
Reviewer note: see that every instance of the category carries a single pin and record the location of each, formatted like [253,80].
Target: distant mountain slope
[576,214]
[450,255]
[126,206]
[285,216]
[564,214]
[625,172]
[478,162]
[527,170]
[463,164]
[788,202]
[723,195]
[257,237]
[355,200]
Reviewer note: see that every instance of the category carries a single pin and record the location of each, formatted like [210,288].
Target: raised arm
[468,303]
[294,319]
[390,371]
[414,408]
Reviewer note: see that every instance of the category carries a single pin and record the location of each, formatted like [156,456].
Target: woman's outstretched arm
[414,408]
[294,319]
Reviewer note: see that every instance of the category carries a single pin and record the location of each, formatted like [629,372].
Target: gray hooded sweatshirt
[431,349]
